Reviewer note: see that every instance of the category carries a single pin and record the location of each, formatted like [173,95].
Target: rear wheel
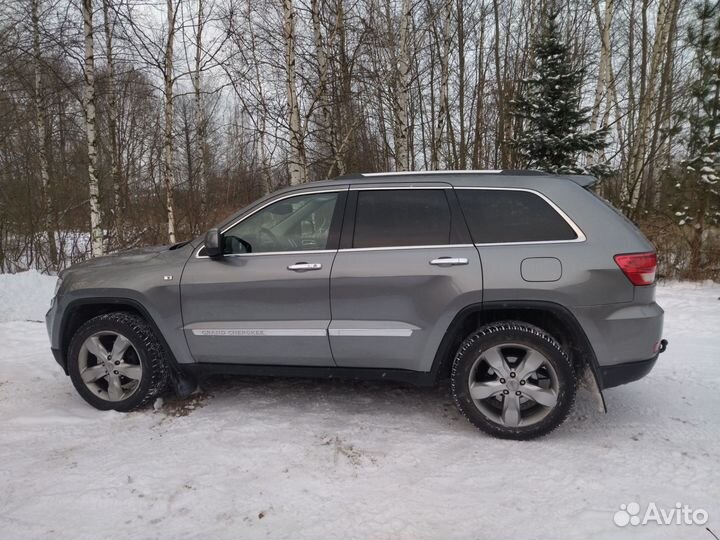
[116,362]
[513,380]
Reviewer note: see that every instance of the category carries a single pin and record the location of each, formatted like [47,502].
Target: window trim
[388,248]
[578,231]
[268,203]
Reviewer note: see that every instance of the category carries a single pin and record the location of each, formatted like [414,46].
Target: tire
[137,374]
[498,401]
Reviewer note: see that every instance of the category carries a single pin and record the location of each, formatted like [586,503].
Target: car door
[266,301]
[405,268]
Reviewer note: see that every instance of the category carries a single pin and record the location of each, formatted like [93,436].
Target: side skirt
[206,370]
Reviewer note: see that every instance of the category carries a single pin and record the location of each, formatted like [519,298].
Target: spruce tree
[698,198]
[554,135]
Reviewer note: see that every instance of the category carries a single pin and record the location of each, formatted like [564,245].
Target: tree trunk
[443,109]
[113,123]
[168,150]
[297,165]
[260,149]
[200,119]
[667,11]
[96,233]
[604,25]
[327,129]
[499,94]
[39,106]
[402,90]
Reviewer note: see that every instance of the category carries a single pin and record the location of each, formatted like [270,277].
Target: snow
[25,296]
[267,458]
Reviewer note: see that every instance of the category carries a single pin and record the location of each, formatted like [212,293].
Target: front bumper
[54,343]
[60,359]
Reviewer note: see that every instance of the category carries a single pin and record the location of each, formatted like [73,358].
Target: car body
[384,276]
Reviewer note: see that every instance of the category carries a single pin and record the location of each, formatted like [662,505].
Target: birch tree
[200,118]
[39,116]
[666,19]
[112,120]
[402,91]
[96,232]
[444,108]
[169,137]
[604,22]
[297,164]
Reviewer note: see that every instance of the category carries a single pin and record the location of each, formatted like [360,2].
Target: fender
[182,384]
[564,315]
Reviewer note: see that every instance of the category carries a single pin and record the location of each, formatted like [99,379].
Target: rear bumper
[627,372]
[622,334]
[618,374]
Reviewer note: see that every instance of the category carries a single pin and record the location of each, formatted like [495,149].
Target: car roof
[491,178]
[523,179]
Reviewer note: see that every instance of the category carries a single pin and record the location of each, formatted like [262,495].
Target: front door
[267,300]
[405,268]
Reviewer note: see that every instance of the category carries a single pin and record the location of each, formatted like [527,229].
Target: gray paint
[385,308]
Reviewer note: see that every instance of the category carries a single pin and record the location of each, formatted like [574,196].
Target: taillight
[639,268]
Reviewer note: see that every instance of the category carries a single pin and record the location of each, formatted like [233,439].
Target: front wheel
[116,362]
[513,380]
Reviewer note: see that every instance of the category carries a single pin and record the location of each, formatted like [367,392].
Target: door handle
[304,267]
[449,261]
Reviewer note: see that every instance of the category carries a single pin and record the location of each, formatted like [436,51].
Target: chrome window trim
[319,251]
[578,231]
[268,203]
[387,248]
[360,187]
[417,173]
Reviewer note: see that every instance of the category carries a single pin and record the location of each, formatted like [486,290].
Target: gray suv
[514,284]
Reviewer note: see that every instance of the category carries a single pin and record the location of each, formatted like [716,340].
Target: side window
[403,217]
[496,216]
[299,223]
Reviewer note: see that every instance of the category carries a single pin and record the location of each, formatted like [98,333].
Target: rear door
[267,301]
[405,267]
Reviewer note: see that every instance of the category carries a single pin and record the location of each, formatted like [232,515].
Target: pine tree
[553,138]
[698,200]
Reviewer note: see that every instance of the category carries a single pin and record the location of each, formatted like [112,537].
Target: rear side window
[496,216]
[403,217]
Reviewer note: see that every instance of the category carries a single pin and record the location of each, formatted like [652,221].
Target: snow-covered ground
[319,460]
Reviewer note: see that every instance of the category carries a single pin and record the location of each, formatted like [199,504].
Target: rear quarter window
[501,216]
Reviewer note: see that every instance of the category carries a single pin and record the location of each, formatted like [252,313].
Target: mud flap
[589,383]
[182,384]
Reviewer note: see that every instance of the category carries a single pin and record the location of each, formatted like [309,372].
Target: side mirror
[213,244]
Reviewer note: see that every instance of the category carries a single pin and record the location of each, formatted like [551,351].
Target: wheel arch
[554,318]
[79,311]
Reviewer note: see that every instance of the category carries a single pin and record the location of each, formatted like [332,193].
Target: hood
[129,256]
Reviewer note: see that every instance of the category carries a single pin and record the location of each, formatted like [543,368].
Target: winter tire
[116,362]
[513,380]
